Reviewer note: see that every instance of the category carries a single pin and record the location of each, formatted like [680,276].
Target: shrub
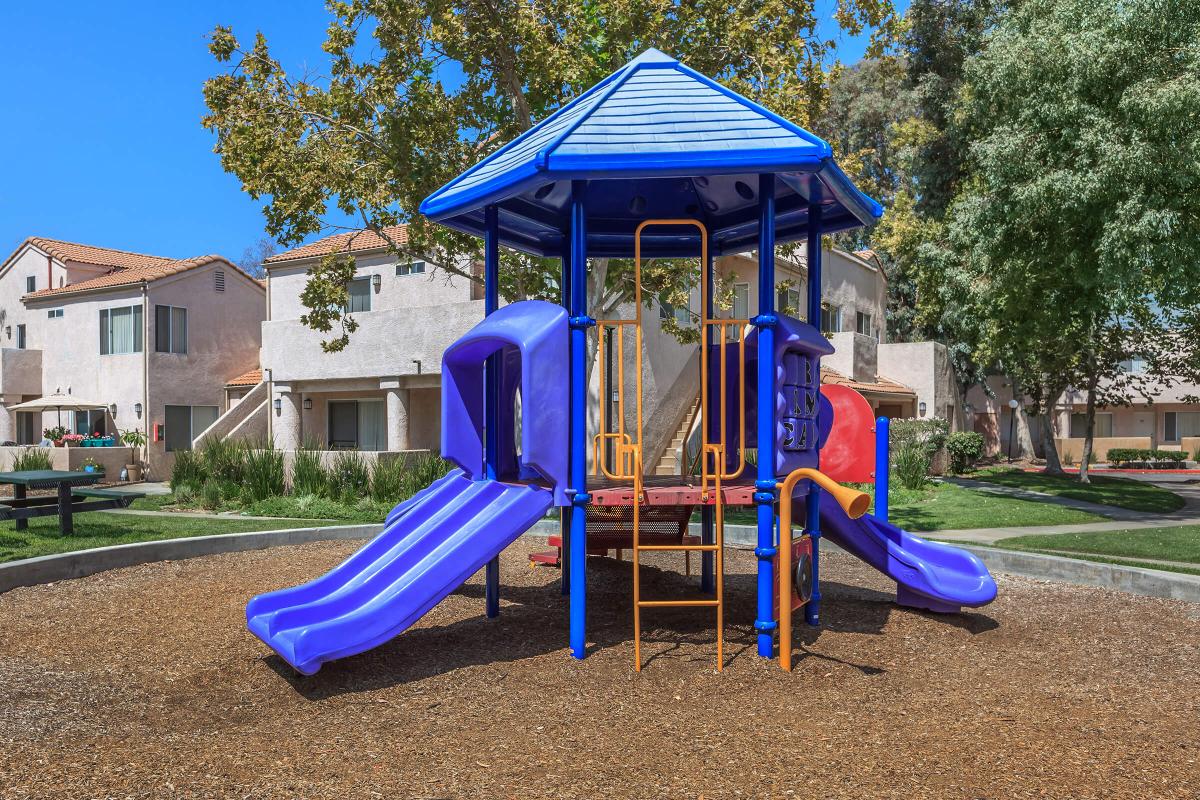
[349,477]
[388,480]
[263,473]
[32,458]
[308,475]
[420,471]
[965,448]
[210,495]
[910,464]
[913,443]
[185,496]
[223,460]
[1136,455]
[188,471]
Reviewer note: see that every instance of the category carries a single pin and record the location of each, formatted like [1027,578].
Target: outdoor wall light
[417,361]
[377,281]
[278,404]
[308,404]
[137,410]
[1013,404]
[921,408]
[112,409]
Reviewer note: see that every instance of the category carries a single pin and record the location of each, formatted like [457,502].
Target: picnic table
[71,497]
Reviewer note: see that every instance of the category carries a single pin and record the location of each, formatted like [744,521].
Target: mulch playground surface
[143,682]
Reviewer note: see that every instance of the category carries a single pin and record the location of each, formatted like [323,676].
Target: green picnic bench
[72,496]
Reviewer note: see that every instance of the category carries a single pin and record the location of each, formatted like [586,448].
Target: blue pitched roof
[654,139]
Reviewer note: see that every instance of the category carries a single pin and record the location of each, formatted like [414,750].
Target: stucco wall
[113,459]
[925,368]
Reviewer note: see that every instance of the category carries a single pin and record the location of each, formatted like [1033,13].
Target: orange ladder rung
[679,603]
[674,548]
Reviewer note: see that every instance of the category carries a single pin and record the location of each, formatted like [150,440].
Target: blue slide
[440,537]
[928,575]
[427,551]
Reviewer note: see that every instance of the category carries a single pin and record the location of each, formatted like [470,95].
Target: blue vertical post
[882,468]
[580,323]
[491,400]
[564,513]
[708,583]
[812,609]
[764,486]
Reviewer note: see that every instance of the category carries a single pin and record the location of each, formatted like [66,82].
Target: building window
[54,313]
[1178,424]
[1134,366]
[864,323]
[1104,425]
[170,329]
[788,301]
[411,268]
[185,423]
[831,319]
[360,295]
[20,337]
[120,330]
[31,284]
[357,425]
[29,429]
[219,280]
[90,421]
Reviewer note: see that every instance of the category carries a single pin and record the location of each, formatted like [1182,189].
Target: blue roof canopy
[654,140]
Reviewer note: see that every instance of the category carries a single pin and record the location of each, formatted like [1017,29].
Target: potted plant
[91,465]
[55,434]
[137,440]
[72,439]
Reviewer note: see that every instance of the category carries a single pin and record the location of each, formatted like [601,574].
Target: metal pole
[707,513]
[764,494]
[491,400]
[1012,418]
[882,467]
[564,513]
[580,322]
[812,609]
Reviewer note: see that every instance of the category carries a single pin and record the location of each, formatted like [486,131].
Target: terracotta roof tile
[130,276]
[350,242]
[880,385]
[251,378]
[100,256]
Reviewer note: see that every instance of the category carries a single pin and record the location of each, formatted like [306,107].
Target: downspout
[49,272]
[146,373]
[265,375]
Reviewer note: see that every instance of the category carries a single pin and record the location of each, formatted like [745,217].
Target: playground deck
[108,689]
[668,490]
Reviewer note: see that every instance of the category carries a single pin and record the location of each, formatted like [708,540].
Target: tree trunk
[1053,464]
[1089,433]
[1023,432]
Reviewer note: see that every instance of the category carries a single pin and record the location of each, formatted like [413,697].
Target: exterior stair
[669,463]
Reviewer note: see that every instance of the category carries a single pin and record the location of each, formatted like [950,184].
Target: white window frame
[22,336]
[30,284]
[192,433]
[54,313]
[362,280]
[410,268]
[106,333]
[833,315]
[1171,420]
[1083,424]
[784,300]
[356,402]
[172,345]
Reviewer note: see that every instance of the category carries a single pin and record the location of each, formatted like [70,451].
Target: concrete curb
[64,566]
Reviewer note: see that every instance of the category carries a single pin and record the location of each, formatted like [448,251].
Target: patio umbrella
[58,402]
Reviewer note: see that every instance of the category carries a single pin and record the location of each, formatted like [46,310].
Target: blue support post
[491,414]
[564,513]
[812,609]
[882,468]
[764,495]
[580,323]
[708,581]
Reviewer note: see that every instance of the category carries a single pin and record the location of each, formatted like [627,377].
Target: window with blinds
[120,330]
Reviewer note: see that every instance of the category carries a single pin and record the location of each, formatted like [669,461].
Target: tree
[447,83]
[1081,210]
[253,257]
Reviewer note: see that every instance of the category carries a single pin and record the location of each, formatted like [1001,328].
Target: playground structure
[656,161]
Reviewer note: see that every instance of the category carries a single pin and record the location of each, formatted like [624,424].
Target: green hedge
[1130,455]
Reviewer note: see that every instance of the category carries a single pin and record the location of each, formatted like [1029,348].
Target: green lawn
[1168,544]
[1110,491]
[97,529]
[306,507]
[948,507]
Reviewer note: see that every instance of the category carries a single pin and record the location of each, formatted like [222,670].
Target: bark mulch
[143,682]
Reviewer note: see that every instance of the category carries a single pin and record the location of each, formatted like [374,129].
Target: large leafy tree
[1081,212]
[417,91]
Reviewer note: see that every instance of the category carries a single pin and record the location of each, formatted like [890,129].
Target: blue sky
[101,136]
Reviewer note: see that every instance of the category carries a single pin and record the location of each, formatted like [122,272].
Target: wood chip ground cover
[143,682]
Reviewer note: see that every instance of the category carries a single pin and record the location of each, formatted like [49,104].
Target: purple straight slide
[929,575]
[432,544]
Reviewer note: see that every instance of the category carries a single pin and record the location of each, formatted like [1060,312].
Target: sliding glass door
[357,425]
